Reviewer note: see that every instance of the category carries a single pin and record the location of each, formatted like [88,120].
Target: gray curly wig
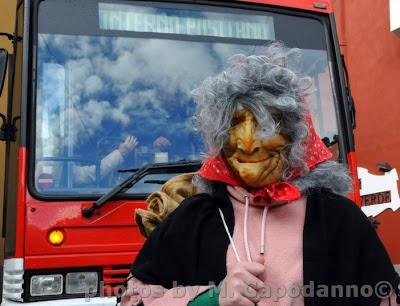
[271,86]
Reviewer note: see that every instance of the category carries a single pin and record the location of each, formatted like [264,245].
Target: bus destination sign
[120,17]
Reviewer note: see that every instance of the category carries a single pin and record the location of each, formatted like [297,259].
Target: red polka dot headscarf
[316,152]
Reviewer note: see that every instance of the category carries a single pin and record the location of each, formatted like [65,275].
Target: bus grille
[114,278]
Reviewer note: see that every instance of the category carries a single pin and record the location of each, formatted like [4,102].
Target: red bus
[89,75]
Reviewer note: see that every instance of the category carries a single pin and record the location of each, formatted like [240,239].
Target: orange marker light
[56,237]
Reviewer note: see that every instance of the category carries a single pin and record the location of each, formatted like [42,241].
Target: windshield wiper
[182,166]
[160,182]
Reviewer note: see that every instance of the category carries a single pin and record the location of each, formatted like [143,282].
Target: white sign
[378,192]
[395,16]
[161,157]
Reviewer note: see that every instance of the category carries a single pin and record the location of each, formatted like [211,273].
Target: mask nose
[246,137]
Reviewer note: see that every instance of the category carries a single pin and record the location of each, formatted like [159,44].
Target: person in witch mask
[270,223]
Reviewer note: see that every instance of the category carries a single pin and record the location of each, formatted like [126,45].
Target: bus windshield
[114,81]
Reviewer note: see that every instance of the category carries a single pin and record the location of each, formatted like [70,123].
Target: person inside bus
[86,174]
[270,223]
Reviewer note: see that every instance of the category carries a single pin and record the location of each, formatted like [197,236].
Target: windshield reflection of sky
[95,91]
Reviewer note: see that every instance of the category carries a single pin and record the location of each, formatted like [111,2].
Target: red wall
[372,54]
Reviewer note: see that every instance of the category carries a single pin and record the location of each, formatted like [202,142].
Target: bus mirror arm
[3,67]
[328,143]
[4,56]
[350,99]
[8,132]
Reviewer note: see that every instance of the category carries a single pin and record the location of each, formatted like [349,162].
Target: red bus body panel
[21,202]
[109,237]
[352,163]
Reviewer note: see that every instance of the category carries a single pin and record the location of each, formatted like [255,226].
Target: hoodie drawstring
[264,219]
[245,238]
[245,233]
[229,235]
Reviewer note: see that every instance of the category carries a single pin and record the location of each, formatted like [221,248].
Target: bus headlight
[81,282]
[51,284]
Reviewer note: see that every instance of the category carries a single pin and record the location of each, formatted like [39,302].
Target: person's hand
[130,296]
[161,142]
[241,285]
[128,145]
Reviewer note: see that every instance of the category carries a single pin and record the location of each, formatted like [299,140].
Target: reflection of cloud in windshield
[93,85]
[177,66]
[170,66]
[52,93]
[135,83]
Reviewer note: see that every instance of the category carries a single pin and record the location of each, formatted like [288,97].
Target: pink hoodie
[283,240]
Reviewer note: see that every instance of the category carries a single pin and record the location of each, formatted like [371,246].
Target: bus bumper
[98,301]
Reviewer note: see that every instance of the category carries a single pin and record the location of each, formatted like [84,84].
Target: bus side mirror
[3,67]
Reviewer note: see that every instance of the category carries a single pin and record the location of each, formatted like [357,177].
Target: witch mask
[255,160]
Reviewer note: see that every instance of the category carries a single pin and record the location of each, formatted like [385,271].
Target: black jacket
[340,247]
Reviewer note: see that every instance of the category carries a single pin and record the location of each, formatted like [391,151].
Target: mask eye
[235,121]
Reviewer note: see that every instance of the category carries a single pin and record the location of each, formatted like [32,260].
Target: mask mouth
[257,159]
[257,173]
[245,161]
